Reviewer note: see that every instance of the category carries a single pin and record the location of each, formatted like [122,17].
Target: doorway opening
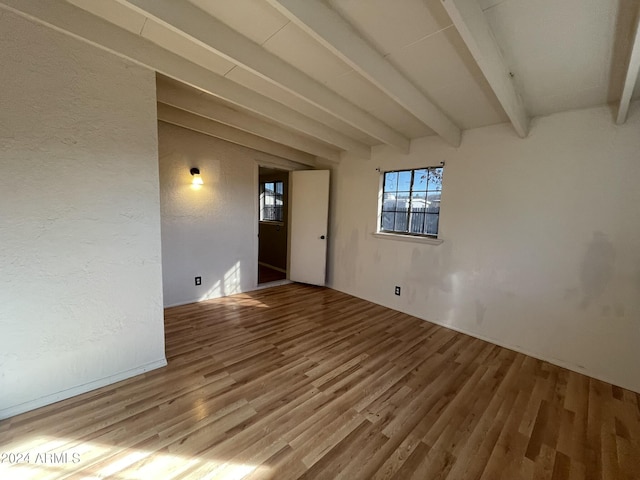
[273,192]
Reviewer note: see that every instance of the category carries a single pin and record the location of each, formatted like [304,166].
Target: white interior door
[308,226]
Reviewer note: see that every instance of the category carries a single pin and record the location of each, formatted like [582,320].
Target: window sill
[408,238]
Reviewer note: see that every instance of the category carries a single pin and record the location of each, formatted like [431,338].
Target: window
[271,201]
[411,201]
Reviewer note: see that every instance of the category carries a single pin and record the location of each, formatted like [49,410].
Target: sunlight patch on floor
[45,458]
[247,301]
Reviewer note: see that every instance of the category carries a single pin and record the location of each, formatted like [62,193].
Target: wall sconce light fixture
[197,179]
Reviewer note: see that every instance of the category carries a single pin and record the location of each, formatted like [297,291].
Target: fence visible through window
[411,201]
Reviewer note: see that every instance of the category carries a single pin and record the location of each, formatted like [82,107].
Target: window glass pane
[435,178]
[390,181]
[416,221]
[432,224]
[402,201]
[389,201]
[418,207]
[400,224]
[420,180]
[269,199]
[418,200]
[433,202]
[404,181]
[388,219]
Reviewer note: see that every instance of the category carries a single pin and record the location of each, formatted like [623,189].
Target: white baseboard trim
[558,362]
[516,348]
[276,283]
[268,265]
[258,286]
[186,302]
[79,389]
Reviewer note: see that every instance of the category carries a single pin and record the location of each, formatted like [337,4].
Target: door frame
[288,167]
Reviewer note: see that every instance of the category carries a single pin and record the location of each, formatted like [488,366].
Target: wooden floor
[267,274]
[303,382]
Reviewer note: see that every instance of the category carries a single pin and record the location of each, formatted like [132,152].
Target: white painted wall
[541,247]
[212,231]
[80,271]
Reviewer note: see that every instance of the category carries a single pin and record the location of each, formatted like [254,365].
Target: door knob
[321,237]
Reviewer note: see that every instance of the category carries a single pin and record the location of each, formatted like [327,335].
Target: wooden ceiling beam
[471,23]
[335,33]
[193,23]
[199,104]
[633,67]
[181,118]
[80,24]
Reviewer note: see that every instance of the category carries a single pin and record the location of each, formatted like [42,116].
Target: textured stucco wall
[210,232]
[80,258]
[541,251]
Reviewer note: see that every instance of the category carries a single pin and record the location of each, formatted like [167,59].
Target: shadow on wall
[348,258]
[596,268]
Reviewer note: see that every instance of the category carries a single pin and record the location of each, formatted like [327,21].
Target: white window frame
[262,204]
[403,236]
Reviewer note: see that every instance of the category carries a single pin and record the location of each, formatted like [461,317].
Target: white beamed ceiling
[563,54]
[569,64]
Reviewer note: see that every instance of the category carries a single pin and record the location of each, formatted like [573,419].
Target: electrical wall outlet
[198,280]
[397,290]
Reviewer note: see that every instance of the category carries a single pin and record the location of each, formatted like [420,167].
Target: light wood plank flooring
[268,274]
[303,382]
